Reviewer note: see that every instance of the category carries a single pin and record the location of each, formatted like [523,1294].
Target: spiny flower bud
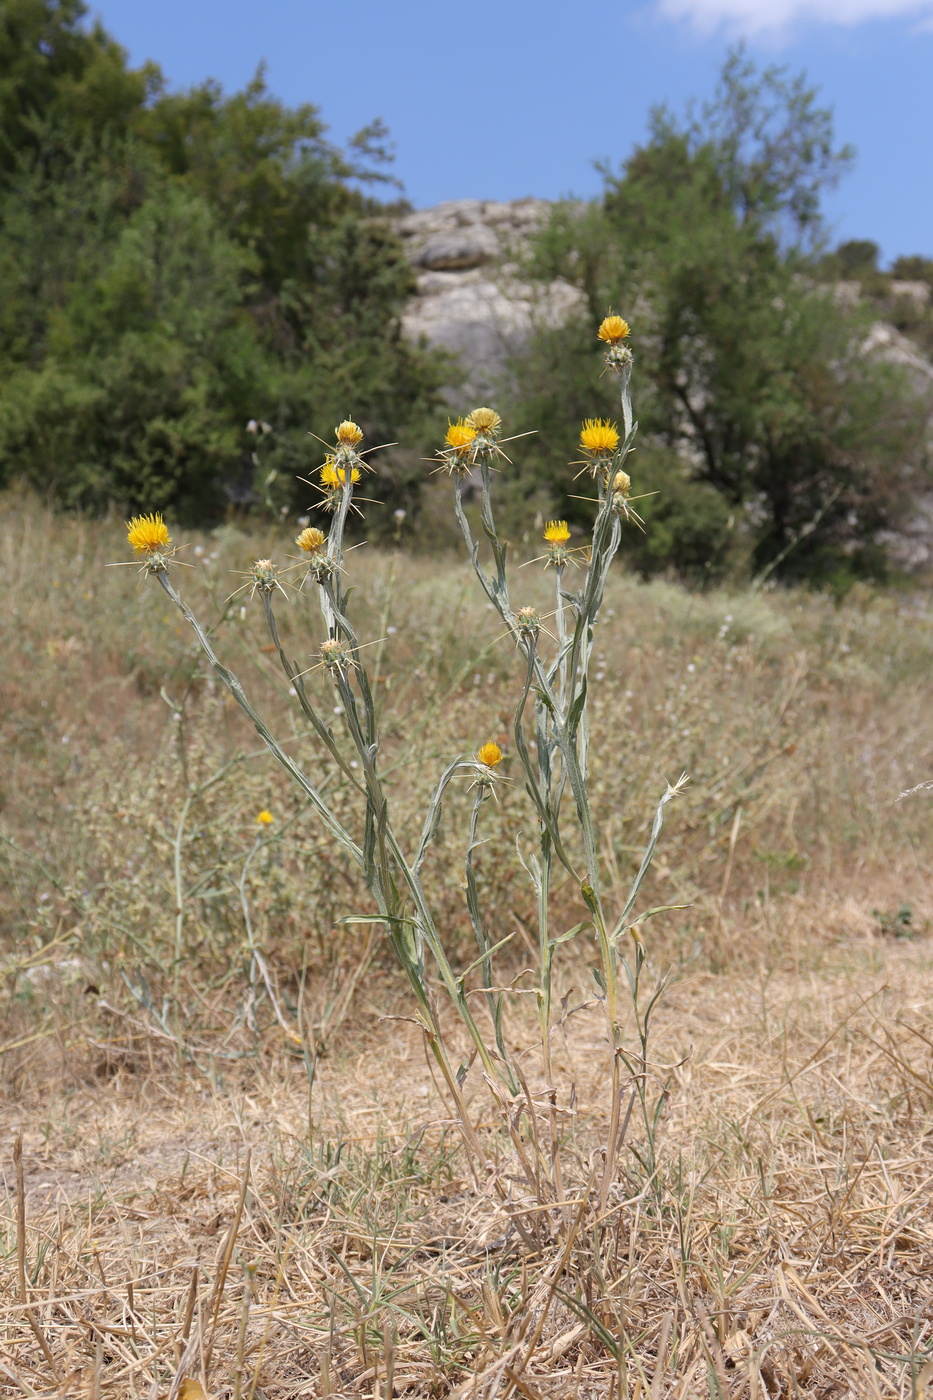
[264,576]
[527,622]
[334,654]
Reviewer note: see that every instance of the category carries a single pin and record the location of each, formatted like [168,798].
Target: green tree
[177,264]
[709,240]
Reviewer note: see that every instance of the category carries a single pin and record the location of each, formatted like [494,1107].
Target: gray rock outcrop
[471,298]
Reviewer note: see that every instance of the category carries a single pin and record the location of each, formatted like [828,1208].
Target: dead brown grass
[208,1196]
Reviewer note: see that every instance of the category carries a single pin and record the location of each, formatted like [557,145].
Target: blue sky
[503,98]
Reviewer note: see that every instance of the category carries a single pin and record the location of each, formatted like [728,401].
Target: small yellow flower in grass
[265,817]
[349,434]
[311,540]
[598,437]
[460,435]
[557,532]
[613,330]
[489,755]
[148,534]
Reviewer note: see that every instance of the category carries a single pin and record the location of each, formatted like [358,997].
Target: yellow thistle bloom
[460,435]
[148,534]
[332,477]
[598,436]
[311,540]
[613,329]
[484,420]
[557,532]
[349,434]
[489,755]
[265,818]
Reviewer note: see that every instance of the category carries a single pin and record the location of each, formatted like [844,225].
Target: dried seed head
[613,330]
[311,540]
[621,484]
[485,421]
[489,755]
[349,434]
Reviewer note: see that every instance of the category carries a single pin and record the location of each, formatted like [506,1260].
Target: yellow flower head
[557,532]
[148,534]
[460,435]
[598,437]
[311,540]
[489,755]
[332,477]
[265,818]
[484,420]
[349,434]
[613,330]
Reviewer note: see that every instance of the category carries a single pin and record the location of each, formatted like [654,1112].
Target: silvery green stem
[334,826]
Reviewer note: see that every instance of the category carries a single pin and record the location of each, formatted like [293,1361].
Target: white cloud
[774,16]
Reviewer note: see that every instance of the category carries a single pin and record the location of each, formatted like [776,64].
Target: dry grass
[208,1194]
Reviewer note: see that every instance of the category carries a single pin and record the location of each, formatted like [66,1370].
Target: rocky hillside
[470,299]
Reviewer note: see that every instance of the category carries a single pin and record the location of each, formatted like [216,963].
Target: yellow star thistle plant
[265,817]
[311,540]
[563,839]
[349,434]
[460,435]
[613,330]
[598,437]
[485,421]
[148,534]
[557,532]
[333,477]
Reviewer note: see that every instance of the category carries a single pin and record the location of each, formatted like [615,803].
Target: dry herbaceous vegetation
[365,1032]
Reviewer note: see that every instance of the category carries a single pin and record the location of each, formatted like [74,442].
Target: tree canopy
[178,264]
[765,426]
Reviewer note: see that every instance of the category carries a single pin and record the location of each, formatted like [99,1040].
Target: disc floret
[151,542]
[557,534]
[311,540]
[333,478]
[613,332]
[598,440]
[487,427]
[457,453]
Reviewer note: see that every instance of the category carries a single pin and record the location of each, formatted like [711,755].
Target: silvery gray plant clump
[552,744]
